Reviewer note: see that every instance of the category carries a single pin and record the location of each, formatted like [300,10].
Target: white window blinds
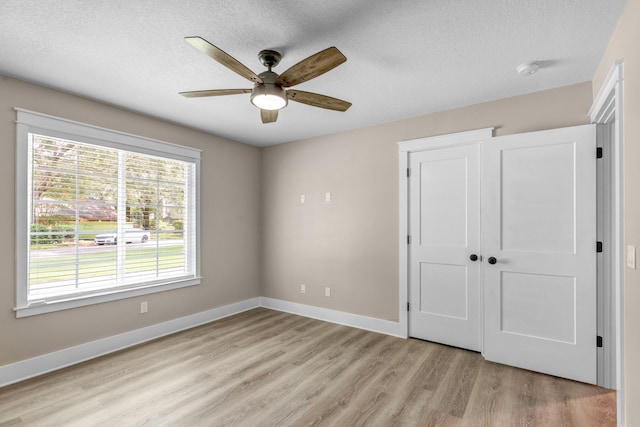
[104,219]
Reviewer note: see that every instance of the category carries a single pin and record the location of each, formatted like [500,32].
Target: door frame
[607,110]
[405,149]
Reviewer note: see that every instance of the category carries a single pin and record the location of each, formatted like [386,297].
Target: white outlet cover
[631,256]
[327,197]
[302,199]
[327,292]
[303,289]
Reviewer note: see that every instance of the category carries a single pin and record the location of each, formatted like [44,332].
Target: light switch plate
[302,199]
[631,256]
[327,197]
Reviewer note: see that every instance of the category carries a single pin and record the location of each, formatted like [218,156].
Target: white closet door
[539,224]
[445,230]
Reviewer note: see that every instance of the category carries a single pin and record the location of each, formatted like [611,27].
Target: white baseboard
[386,327]
[39,365]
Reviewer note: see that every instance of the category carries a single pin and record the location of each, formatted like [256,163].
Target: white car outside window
[133,235]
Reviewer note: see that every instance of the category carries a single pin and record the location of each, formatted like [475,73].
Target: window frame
[32,122]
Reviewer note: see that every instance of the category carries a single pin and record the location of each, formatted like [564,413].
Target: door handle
[473,257]
[492,260]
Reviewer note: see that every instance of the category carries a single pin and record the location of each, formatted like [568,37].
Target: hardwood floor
[267,368]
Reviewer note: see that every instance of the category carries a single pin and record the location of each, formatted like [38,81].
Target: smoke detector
[528,68]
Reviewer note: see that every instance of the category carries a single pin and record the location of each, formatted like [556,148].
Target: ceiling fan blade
[213,92]
[268,116]
[317,100]
[311,67]
[222,57]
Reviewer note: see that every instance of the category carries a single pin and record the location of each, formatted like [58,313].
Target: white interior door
[539,224]
[444,224]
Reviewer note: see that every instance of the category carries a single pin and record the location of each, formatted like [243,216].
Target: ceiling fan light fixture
[268,97]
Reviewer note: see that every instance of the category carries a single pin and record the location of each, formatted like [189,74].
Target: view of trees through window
[103,217]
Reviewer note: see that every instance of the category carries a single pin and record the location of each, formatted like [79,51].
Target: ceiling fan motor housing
[269,95]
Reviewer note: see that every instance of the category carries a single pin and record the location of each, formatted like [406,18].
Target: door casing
[607,109]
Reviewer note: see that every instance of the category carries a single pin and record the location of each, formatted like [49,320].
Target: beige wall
[230,229]
[624,45]
[351,243]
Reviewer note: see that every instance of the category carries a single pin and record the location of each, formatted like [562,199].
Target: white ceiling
[405,58]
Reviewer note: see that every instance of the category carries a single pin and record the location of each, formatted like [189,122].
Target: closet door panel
[444,220]
[539,226]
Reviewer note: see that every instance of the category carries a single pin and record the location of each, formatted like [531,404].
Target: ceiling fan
[269,93]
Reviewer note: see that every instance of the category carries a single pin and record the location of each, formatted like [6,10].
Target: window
[101,215]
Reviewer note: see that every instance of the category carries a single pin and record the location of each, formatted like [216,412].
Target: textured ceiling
[405,58]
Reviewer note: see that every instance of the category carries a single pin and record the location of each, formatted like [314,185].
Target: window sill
[74,302]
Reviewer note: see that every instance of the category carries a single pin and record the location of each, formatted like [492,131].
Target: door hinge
[598,152]
[408,172]
[598,246]
[407,306]
[408,240]
[599,341]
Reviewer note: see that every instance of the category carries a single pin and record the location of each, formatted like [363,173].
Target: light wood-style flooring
[267,368]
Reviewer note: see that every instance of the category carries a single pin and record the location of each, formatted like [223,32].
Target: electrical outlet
[302,199]
[303,289]
[327,197]
[144,307]
[327,292]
